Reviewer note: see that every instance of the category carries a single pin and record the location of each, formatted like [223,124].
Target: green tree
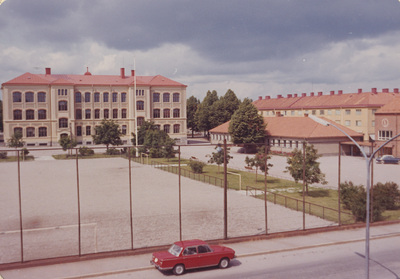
[313,173]
[146,126]
[222,110]
[108,132]
[67,143]
[218,156]
[192,105]
[247,126]
[202,115]
[258,161]
[16,140]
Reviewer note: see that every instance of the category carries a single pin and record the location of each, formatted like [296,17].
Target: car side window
[203,249]
[190,251]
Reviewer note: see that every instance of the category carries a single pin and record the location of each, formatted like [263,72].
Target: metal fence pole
[180,196]
[225,194]
[79,201]
[130,195]
[20,208]
[265,189]
[304,181]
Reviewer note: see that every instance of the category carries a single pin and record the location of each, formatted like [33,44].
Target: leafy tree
[192,105]
[108,132]
[313,173]
[223,109]
[67,143]
[247,126]
[146,126]
[258,161]
[218,156]
[156,143]
[387,195]
[16,140]
[202,115]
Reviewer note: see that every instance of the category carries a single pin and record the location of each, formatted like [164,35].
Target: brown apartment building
[43,107]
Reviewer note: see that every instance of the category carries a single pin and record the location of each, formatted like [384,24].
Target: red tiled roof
[365,99]
[297,127]
[41,79]
[392,107]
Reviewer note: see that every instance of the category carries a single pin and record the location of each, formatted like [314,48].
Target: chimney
[278,114]
[373,90]
[340,92]
[319,93]
[359,90]
[385,90]
[289,95]
[306,115]
[48,71]
[396,90]
[312,94]
[295,95]
[332,92]
[133,73]
[122,72]
[267,97]
[279,96]
[303,94]
[259,98]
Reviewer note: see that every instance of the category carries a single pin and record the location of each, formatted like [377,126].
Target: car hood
[163,255]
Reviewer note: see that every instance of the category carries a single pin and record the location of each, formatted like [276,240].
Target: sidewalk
[126,264]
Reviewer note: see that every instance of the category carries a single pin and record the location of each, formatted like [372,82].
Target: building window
[166,113]
[140,105]
[30,114]
[321,112]
[42,114]
[62,92]
[358,123]
[29,97]
[139,92]
[106,113]
[41,97]
[17,130]
[115,113]
[17,97]
[347,111]
[79,131]
[62,106]
[337,112]
[123,113]
[167,128]
[115,97]
[88,113]
[158,127]
[140,121]
[78,97]
[17,114]
[87,97]
[358,111]
[166,97]
[373,123]
[123,97]
[385,135]
[293,112]
[156,97]
[78,114]
[96,97]
[63,123]
[105,97]
[347,123]
[156,113]
[177,113]
[97,114]
[175,97]
[313,112]
[42,132]
[30,132]
[88,130]
[176,128]
[123,129]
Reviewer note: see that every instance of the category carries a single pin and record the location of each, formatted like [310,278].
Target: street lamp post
[368,165]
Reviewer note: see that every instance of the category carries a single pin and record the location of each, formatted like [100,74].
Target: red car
[191,254]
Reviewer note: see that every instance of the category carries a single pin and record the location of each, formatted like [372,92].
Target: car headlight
[155,260]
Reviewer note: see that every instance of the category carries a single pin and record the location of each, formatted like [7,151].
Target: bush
[113,151]
[85,151]
[196,166]
[25,151]
[132,151]
[3,155]
[387,195]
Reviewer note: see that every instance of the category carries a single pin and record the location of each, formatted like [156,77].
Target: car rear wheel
[224,263]
[179,269]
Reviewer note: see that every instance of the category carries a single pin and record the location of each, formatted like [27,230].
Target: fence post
[79,201]
[180,195]
[130,195]
[20,208]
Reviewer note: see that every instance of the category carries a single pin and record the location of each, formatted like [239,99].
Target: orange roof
[86,79]
[297,127]
[392,107]
[364,99]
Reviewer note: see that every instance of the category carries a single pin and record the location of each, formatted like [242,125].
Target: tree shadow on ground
[320,193]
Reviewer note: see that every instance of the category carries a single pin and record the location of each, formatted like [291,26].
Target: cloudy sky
[255,48]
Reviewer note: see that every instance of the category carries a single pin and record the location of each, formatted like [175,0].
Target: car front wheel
[224,263]
[179,269]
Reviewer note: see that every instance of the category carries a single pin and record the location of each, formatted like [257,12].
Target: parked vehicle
[387,159]
[189,254]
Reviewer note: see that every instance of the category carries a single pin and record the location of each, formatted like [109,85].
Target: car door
[206,256]
[190,257]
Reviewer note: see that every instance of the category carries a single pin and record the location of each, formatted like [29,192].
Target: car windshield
[175,250]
